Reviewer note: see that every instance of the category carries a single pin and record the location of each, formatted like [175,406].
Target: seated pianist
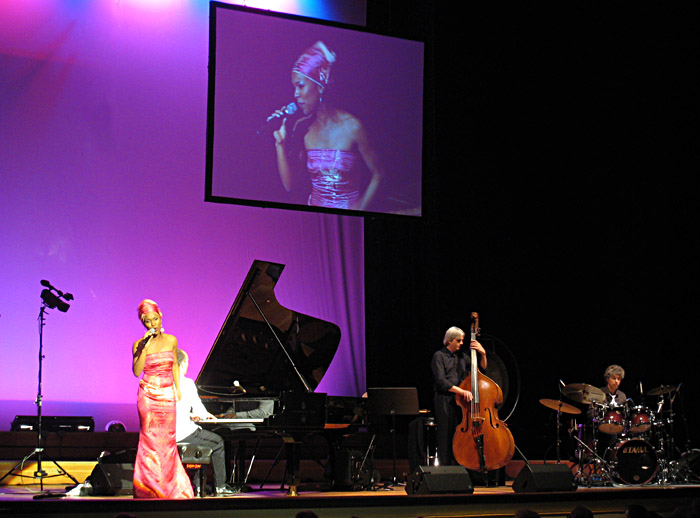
[190,411]
[247,410]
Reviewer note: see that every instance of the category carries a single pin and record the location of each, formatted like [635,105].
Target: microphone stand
[39,450]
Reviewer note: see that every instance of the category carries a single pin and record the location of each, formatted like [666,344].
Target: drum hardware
[687,468]
[583,393]
[662,429]
[594,470]
[663,390]
[642,449]
[560,407]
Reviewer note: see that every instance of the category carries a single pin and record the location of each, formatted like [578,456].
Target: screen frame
[209,196]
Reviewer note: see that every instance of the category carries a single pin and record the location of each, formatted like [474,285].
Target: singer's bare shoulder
[351,125]
[172,341]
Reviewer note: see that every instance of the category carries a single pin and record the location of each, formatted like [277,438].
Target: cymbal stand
[558,443]
[666,445]
[662,452]
[558,436]
[588,470]
[682,468]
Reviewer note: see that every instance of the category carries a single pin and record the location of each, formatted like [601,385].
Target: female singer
[333,140]
[158,471]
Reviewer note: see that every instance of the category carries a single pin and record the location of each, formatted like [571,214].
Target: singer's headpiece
[147,306]
[315,63]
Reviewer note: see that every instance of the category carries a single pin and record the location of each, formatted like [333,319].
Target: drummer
[614,397]
[614,375]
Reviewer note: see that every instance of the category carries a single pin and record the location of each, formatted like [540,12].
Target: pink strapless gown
[334,183]
[158,472]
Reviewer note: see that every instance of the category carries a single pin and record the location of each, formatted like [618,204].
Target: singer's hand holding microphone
[290,109]
[147,337]
[274,118]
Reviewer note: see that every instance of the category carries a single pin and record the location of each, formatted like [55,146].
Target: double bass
[482,442]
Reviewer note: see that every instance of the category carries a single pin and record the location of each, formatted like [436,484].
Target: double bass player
[450,365]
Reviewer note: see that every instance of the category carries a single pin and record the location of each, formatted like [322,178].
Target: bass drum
[633,461]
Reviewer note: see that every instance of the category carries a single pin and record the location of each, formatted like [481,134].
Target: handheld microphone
[290,109]
[145,339]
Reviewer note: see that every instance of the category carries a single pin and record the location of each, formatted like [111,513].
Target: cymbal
[583,393]
[663,389]
[559,405]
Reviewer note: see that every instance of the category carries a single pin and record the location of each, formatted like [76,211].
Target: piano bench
[194,459]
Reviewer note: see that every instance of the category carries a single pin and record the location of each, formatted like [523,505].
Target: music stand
[392,401]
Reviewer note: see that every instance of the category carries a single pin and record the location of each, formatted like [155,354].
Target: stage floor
[491,502]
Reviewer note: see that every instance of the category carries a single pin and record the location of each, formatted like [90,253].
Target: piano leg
[292,465]
[239,475]
[239,466]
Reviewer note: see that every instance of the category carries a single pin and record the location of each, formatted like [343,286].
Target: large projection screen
[353,122]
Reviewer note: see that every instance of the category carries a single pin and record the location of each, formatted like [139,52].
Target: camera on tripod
[53,300]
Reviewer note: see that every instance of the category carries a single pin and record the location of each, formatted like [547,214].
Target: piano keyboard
[230,420]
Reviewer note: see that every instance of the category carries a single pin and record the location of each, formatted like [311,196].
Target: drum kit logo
[623,444]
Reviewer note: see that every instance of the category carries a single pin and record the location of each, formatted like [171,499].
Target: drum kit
[624,444]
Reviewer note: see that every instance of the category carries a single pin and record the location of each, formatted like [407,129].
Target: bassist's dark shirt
[449,369]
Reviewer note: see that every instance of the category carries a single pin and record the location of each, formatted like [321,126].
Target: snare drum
[612,420]
[641,420]
[633,461]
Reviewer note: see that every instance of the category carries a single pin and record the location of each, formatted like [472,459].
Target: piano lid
[249,350]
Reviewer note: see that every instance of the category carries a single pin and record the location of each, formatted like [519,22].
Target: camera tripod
[38,452]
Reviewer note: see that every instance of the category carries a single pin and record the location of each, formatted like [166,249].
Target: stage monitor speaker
[114,473]
[112,479]
[535,478]
[439,480]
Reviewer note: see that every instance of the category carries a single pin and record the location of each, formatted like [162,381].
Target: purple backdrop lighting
[102,153]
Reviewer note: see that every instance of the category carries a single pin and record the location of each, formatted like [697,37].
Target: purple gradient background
[102,155]
[376,78]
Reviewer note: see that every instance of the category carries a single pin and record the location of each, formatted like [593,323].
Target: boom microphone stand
[49,300]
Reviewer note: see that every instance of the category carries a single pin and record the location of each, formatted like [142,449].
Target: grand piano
[262,371]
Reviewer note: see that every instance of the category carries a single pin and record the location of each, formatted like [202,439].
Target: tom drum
[612,420]
[641,419]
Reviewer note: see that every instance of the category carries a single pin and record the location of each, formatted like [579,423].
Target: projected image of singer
[327,140]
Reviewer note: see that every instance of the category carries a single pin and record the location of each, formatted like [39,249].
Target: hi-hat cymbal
[583,393]
[559,405]
[663,389]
